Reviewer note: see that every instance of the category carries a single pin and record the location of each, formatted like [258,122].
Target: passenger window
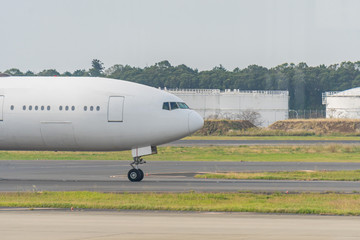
[85,108]
[91,108]
[60,108]
[174,105]
[36,108]
[12,107]
[67,108]
[48,108]
[183,105]
[72,108]
[97,108]
[42,108]
[24,107]
[30,108]
[166,106]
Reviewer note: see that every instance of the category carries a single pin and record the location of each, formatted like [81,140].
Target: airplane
[91,114]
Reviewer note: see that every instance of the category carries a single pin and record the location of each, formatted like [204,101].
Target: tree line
[304,83]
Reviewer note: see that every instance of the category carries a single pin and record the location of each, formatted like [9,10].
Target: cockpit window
[183,105]
[166,106]
[174,105]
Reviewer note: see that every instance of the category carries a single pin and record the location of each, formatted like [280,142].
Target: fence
[295,114]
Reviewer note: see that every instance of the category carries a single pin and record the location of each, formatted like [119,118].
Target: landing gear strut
[136,174]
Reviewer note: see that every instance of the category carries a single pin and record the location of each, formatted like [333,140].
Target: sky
[66,35]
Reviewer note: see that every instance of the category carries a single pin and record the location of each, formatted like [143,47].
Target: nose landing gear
[136,174]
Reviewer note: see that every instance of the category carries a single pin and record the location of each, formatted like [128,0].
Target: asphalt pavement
[111,176]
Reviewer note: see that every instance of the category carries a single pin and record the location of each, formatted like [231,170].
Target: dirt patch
[223,127]
[318,126]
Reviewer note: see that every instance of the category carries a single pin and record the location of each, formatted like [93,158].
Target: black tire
[141,175]
[134,175]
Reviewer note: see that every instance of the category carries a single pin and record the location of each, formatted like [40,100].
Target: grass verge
[318,153]
[337,137]
[353,175]
[304,203]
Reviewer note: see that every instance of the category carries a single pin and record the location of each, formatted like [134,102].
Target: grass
[285,128]
[353,175]
[318,153]
[262,137]
[270,132]
[304,203]
[288,128]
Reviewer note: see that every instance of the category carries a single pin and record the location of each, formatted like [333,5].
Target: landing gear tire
[141,177]
[135,175]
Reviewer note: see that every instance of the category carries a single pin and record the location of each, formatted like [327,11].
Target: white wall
[342,106]
[271,105]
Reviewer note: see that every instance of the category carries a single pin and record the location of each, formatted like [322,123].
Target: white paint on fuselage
[144,123]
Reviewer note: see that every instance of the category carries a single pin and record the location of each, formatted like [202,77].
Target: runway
[101,225]
[187,143]
[110,176]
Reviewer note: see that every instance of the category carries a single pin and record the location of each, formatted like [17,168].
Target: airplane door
[116,109]
[1,107]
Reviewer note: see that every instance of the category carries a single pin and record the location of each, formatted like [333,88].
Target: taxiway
[171,176]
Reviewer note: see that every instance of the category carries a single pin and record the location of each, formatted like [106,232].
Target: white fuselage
[88,114]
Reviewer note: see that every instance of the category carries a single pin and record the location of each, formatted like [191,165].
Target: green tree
[97,68]
[29,73]
[305,84]
[80,73]
[66,74]
[14,72]
[49,72]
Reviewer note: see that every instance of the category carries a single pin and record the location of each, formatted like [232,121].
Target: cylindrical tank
[345,104]
[268,106]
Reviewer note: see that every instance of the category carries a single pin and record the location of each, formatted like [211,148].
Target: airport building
[266,106]
[344,104]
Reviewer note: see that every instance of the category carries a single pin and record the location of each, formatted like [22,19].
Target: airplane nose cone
[196,122]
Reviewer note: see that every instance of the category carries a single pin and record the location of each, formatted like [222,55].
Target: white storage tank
[345,104]
[267,106]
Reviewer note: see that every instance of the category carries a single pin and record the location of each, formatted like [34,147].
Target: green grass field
[305,203]
[318,153]
[294,175]
[308,138]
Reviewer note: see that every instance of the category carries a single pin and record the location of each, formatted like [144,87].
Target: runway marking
[117,176]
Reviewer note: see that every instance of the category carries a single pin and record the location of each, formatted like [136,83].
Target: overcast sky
[68,34]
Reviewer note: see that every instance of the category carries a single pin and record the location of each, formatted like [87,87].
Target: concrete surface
[54,225]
